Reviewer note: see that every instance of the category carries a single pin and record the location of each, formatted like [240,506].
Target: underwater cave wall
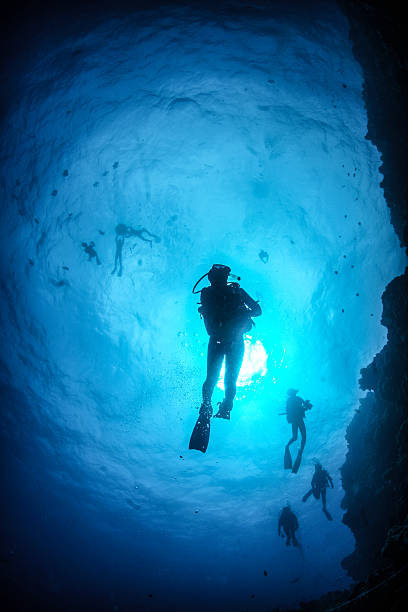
[375,474]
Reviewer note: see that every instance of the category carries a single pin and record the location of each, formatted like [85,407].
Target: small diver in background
[125,231]
[119,241]
[295,413]
[289,523]
[89,250]
[227,311]
[263,256]
[320,482]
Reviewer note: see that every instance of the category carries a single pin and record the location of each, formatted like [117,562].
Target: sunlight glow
[253,366]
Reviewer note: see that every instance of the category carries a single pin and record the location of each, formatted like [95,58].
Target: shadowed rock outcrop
[375,474]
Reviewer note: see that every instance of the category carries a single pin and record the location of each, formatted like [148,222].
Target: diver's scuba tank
[222,305]
[218,272]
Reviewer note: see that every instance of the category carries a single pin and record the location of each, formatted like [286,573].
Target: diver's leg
[144,231]
[286,530]
[301,426]
[234,354]
[116,256]
[233,361]
[215,357]
[116,262]
[323,491]
[307,495]
[156,238]
[294,434]
[302,429]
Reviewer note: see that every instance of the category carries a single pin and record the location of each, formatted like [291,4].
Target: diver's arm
[143,238]
[203,301]
[250,303]
[150,233]
[306,404]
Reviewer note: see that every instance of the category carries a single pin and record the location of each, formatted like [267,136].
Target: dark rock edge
[375,473]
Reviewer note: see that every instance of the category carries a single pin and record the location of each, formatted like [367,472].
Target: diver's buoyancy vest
[288,519]
[294,409]
[224,311]
[320,479]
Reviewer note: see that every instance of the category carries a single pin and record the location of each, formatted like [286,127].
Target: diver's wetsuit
[320,481]
[227,312]
[288,521]
[233,350]
[295,407]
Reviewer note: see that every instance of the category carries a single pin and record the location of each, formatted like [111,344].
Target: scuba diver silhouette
[227,311]
[288,521]
[295,413]
[119,240]
[89,250]
[320,482]
[125,231]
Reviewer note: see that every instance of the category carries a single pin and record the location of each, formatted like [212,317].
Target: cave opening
[141,151]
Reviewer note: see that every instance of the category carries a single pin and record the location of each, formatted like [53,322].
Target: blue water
[233,137]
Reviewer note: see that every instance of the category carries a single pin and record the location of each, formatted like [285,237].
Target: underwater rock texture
[375,475]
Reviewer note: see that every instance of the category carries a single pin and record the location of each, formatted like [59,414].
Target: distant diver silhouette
[89,249]
[227,311]
[295,413]
[119,240]
[320,482]
[125,231]
[263,256]
[289,523]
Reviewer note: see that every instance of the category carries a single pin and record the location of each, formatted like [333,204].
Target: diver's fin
[307,495]
[328,515]
[224,411]
[201,432]
[296,465]
[287,460]
[201,435]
